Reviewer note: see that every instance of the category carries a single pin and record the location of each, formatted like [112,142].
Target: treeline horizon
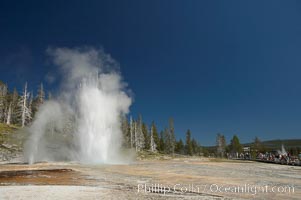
[20,109]
[141,137]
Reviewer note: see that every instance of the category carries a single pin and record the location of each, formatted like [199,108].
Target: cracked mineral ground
[175,178]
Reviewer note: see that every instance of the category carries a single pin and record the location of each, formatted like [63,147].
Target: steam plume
[83,122]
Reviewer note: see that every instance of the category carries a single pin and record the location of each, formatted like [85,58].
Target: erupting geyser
[83,122]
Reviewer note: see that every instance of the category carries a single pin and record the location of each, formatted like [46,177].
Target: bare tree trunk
[131,131]
[25,111]
[41,94]
[24,100]
[136,141]
[8,115]
[152,141]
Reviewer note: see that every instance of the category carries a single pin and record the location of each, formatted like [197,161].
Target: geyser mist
[83,122]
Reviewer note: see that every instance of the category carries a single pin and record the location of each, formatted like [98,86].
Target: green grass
[148,155]
[7,132]
[6,129]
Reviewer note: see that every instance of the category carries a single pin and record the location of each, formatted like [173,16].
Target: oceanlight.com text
[214,188]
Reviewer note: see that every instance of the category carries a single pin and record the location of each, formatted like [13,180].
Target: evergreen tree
[38,100]
[235,146]
[167,140]
[179,147]
[146,137]
[15,109]
[14,106]
[257,147]
[136,134]
[188,146]
[205,152]
[139,137]
[132,133]
[172,137]
[3,96]
[162,142]
[199,151]
[125,131]
[220,145]
[194,146]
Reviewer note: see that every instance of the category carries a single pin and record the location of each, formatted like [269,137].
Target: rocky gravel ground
[178,178]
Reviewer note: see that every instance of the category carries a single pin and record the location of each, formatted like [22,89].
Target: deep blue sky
[232,67]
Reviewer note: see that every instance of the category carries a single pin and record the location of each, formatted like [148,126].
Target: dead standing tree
[24,108]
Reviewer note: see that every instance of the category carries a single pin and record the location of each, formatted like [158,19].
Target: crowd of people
[279,157]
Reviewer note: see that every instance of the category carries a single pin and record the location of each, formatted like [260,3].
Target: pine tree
[3,96]
[162,142]
[199,151]
[14,106]
[139,137]
[188,145]
[179,147]
[15,109]
[146,137]
[167,141]
[172,138]
[235,146]
[194,146]
[125,131]
[136,142]
[132,132]
[220,144]
[257,147]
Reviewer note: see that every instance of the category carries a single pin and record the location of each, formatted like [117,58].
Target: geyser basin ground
[76,181]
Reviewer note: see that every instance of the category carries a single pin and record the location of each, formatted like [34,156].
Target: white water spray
[283,151]
[83,123]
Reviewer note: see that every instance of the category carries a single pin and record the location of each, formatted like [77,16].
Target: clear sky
[232,67]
